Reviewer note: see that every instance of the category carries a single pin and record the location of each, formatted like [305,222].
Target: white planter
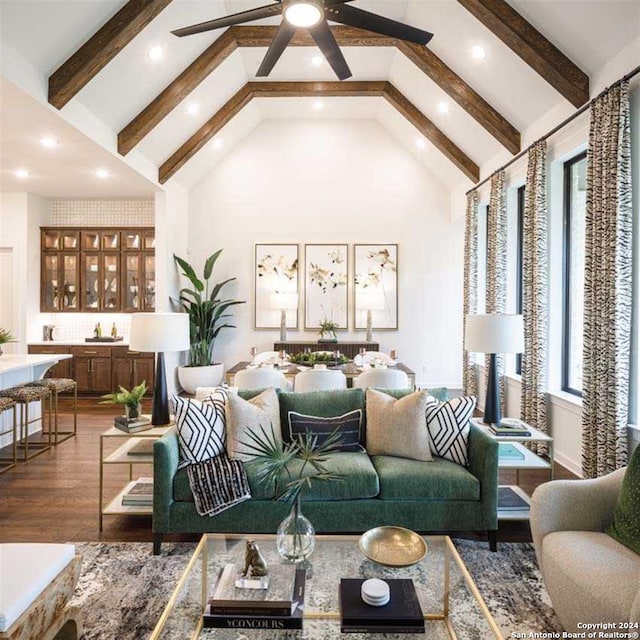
[193,377]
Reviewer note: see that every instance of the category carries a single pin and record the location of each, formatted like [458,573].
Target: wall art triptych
[332,279]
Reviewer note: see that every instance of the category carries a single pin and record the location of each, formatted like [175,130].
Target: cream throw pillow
[245,416]
[398,427]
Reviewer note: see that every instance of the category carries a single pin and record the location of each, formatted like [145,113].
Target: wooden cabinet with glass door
[99,269]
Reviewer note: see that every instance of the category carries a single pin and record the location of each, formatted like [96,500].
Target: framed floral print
[325,286]
[276,271]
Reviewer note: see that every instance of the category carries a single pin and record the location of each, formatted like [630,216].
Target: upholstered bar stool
[58,386]
[23,396]
[8,463]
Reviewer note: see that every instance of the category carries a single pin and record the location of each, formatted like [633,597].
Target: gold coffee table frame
[201,554]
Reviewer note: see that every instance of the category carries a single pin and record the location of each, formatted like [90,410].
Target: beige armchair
[590,576]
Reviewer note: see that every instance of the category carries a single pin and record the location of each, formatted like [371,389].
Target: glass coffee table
[452,606]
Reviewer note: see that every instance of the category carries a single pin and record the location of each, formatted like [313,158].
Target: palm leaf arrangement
[206,309]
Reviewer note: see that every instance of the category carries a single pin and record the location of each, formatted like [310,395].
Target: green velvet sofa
[376,490]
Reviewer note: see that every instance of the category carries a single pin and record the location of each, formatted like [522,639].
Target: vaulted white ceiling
[46,33]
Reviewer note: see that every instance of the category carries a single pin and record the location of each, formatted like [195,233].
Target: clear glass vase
[296,537]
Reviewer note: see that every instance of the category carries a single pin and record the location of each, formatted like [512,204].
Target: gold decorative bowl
[393,546]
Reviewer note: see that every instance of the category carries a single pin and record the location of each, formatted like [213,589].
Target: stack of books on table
[139,494]
[402,614]
[132,425]
[279,606]
[509,500]
[510,427]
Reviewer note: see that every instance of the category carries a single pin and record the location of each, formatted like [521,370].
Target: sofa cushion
[397,427]
[401,478]
[626,518]
[588,571]
[201,426]
[348,427]
[439,393]
[260,414]
[324,404]
[448,426]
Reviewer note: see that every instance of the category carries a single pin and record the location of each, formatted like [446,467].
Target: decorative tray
[105,339]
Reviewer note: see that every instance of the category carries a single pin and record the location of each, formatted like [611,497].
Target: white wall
[336,182]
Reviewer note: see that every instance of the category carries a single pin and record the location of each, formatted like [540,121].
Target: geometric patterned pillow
[448,426]
[201,427]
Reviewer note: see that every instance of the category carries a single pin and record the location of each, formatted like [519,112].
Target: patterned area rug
[123,588]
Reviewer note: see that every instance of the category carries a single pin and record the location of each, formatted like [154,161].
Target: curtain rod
[557,128]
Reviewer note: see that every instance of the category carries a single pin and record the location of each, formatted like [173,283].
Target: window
[575,192]
[519,254]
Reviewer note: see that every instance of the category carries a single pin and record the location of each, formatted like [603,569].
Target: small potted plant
[5,337]
[132,400]
[329,330]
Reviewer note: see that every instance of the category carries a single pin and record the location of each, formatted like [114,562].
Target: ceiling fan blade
[354,17]
[330,49]
[277,46]
[228,21]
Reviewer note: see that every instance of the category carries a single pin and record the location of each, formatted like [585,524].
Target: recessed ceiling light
[192,108]
[420,143]
[318,105]
[48,142]
[102,173]
[443,107]
[21,173]
[478,52]
[156,53]
[317,61]
[217,143]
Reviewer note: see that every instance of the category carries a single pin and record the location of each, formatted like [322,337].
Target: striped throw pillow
[349,426]
[448,426]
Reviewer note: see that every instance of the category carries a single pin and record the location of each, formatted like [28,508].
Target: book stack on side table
[402,614]
[132,425]
[277,607]
[139,493]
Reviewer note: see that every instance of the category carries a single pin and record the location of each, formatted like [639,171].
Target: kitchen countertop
[77,343]
[13,362]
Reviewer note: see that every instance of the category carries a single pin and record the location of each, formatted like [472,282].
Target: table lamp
[284,301]
[157,333]
[493,334]
[370,300]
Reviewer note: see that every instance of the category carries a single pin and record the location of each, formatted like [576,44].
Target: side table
[529,460]
[121,456]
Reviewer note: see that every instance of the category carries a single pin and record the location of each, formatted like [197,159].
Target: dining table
[350,370]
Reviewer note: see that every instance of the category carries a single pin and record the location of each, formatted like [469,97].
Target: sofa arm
[574,505]
[165,467]
[483,464]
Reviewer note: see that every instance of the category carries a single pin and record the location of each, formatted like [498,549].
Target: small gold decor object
[393,546]
[254,563]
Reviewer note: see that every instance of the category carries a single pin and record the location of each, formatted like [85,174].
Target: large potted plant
[206,309]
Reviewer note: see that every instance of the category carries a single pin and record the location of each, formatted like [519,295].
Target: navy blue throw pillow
[348,425]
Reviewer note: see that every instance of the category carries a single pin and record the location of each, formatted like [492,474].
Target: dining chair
[319,380]
[382,379]
[260,379]
[373,356]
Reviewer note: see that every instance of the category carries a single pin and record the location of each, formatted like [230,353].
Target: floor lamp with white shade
[493,333]
[157,333]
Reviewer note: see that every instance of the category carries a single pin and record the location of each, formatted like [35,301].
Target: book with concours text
[251,620]
[402,614]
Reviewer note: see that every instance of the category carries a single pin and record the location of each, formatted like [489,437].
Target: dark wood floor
[54,497]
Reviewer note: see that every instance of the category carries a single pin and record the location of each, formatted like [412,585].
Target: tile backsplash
[78,326]
[102,213]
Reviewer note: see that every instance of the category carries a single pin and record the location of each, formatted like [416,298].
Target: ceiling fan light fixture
[306,13]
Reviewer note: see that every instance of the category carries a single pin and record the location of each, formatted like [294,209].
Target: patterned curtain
[535,300]
[607,285]
[470,294]
[496,300]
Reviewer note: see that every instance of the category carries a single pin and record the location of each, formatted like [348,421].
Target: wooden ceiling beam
[538,52]
[429,130]
[471,101]
[261,36]
[205,133]
[312,89]
[176,92]
[73,74]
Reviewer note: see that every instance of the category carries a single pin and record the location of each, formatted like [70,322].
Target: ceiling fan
[313,15]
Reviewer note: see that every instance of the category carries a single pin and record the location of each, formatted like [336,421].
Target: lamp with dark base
[159,332]
[493,334]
